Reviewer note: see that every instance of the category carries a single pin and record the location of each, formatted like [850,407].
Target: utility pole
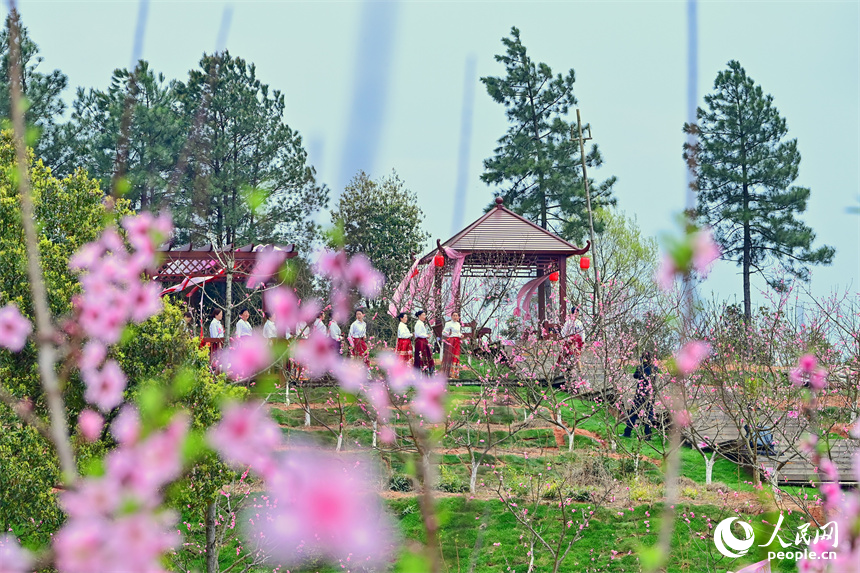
[590,215]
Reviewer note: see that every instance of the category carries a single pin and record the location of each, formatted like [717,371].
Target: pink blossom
[14,328]
[90,423]
[326,506]
[807,371]
[105,386]
[332,264]
[246,436]
[79,546]
[268,263]
[92,497]
[691,355]
[126,426]
[362,274]
[92,355]
[665,275]
[248,356]
[102,319]
[400,374]
[351,374]
[429,400]
[856,466]
[387,435]
[138,540]
[315,353]
[285,305]
[705,251]
[377,395]
[144,300]
[829,469]
[13,558]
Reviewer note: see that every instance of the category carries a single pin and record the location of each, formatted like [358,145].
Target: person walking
[423,354]
[404,338]
[335,335]
[643,400]
[452,335]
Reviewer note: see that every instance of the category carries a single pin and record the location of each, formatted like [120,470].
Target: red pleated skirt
[359,350]
[423,355]
[451,357]
[404,349]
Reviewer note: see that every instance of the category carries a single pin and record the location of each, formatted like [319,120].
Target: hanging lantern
[584,263]
[439,261]
[553,277]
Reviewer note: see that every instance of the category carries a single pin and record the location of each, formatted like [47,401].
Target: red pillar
[562,290]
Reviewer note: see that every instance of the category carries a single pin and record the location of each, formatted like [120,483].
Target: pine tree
[745,168]
[537,162]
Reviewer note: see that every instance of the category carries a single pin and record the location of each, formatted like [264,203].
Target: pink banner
[397,299]
[525,295]
[458,258]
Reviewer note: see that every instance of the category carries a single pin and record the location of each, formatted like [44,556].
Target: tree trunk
[709,467]
[308,417]
[747,257]
[473,479]
[375,432]
[211,549]
[229,303]
[339,442]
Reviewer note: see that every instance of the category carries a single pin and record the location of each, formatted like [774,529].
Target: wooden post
[541,299]
[562,290]
[590,217]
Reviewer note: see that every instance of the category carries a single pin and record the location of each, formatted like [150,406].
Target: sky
[395,85]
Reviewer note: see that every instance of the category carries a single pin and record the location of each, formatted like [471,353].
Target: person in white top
[452,335]
[302,329]
[216,329]
[269,329]
[319,324]
[335,335]
[423,355]
[573,335]
[404,338]
[358,338]
[243,327]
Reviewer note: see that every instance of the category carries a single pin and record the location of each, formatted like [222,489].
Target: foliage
[251,182]
[381,219]
[537,161]
[41,90]
[156,132]
[745,169]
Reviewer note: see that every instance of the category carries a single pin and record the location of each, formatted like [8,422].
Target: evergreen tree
[248,179]
[745,168]
[537,163]
[41,90]
[156,133]
[381,219]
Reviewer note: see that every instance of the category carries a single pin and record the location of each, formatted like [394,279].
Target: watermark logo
[806,544]
[728,544]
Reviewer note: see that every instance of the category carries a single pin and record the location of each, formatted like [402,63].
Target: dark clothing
[643,401]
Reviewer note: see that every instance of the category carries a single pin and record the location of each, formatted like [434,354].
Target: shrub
[400,482]
[450,482]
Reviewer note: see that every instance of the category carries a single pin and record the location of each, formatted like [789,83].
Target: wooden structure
[501,239]
[184,263]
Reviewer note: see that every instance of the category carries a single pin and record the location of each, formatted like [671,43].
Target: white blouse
[269,330]
[334,330]
[302,329]
[403,331]
[421,330]
[573,327]
[358,329]
[452,330]
[216,330]
[319,326]
[243,328]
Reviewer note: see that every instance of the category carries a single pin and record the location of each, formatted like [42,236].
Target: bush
[450,482]
[400,482]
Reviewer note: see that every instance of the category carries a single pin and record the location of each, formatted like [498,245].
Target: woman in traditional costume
[423,354]
[404,338]
[358,338]
[452,334]
[573,333]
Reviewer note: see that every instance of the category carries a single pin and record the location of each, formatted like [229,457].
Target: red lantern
[584,263]
[439,261]
[553,277]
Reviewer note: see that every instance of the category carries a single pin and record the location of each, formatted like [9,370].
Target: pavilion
[501,239]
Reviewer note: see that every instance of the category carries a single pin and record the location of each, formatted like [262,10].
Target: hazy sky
[382,85]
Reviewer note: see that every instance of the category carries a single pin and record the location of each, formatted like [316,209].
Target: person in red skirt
[358,338]
[452,335]
[573,335]
[404,338]
[423,354]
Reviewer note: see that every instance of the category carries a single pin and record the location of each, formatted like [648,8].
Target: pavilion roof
[501,232]
[186,261]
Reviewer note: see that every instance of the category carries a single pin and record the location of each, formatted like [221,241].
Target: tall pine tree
[537,163]
[249,179]
[42,91]
[745,168]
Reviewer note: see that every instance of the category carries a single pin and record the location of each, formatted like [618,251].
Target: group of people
[422,355]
